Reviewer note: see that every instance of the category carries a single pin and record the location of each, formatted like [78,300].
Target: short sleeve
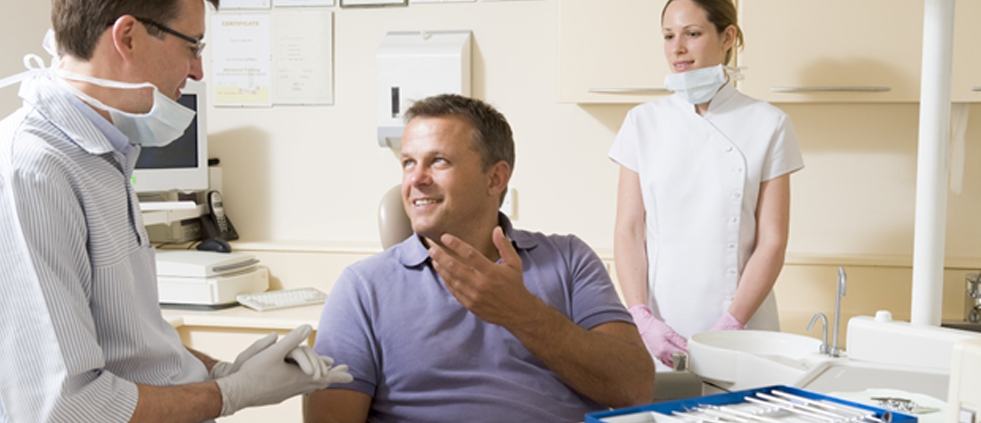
[625,149]
[594,300]
[784,155]
[345,333]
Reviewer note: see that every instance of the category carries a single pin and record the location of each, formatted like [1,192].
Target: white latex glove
[317,365]
[267,378]
[224,368]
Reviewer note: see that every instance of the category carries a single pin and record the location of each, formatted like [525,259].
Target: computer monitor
[183,164]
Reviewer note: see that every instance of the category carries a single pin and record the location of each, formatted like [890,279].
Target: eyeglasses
[197,45]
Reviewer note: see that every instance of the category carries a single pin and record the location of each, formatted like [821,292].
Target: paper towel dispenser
[415,65]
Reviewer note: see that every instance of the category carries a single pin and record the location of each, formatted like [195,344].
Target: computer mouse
[216,245]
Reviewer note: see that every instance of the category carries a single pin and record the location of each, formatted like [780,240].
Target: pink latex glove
[660,339]
[728,322]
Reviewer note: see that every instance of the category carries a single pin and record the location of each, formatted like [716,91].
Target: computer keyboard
[284,298]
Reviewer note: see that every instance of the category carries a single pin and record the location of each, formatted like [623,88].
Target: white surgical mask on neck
[697,86]
[165,122]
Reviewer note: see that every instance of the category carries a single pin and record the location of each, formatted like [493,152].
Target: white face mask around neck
[165,122]
[697,86]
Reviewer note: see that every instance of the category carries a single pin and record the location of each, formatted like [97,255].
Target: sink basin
[750,358]
[852,375]
[737,360]
[882,354]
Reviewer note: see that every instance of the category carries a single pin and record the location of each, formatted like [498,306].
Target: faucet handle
[824,348]
[680,360]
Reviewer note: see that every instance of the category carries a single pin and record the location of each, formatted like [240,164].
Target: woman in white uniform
[704,191]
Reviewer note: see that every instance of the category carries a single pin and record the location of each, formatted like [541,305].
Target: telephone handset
[216,224]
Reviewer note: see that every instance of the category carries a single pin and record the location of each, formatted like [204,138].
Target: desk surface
[243,318]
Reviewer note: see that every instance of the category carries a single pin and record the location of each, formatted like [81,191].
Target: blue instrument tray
[733,398]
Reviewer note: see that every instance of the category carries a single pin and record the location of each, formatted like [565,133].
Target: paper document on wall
[281,3]
[241,59]
[303,56]
[244,4]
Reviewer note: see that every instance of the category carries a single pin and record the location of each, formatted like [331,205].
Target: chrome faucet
[832,348]
[824,348]
[842,284]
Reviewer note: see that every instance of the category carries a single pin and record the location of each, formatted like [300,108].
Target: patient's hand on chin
[430,241]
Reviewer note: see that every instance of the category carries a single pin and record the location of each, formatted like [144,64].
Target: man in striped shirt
[82,338]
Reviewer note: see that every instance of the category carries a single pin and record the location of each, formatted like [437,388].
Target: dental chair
[393,225]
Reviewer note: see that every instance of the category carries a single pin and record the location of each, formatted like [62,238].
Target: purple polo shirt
[423,357]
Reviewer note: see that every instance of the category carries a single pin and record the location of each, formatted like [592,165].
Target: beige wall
[313,175]
[22,26]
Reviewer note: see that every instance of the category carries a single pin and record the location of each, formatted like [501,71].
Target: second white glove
[267,378]
[224,368]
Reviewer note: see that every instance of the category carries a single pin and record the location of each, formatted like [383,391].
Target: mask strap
[102,82]
[50,45]
[735,73]
[94,101]
[34,65]
[64,76]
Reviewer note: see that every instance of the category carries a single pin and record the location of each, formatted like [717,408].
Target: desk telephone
[216,224]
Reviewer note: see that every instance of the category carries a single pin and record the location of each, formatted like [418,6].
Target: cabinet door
[965,84]
[610,51]
[832,50]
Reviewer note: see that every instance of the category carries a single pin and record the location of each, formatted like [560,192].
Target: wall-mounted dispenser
[415,65]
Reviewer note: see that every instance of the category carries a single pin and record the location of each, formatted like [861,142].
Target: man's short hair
[492,135]
[78,24]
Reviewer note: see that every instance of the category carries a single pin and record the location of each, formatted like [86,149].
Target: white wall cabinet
[610,51]
[965,84]
[832,50]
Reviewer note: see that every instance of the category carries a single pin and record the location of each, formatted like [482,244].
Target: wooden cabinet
[965,84]
[832,50]
[610,51]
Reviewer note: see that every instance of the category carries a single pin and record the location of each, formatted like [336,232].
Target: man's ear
[123,34]
[500,175]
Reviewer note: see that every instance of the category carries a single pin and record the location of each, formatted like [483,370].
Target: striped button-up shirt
[80,323]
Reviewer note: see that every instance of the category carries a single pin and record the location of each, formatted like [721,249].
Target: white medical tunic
[81,324]
[700,181]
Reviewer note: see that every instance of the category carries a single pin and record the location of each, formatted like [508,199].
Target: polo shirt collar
[413,252]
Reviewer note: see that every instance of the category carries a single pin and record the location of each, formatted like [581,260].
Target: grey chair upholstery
[393,225]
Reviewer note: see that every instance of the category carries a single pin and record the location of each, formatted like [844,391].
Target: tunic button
[731,246]
[729,149]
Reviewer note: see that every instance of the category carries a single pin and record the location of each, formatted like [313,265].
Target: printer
[203,279]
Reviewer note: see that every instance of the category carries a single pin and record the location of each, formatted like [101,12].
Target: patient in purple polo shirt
[470,319]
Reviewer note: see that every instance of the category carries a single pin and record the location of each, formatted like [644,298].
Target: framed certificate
[372,3]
